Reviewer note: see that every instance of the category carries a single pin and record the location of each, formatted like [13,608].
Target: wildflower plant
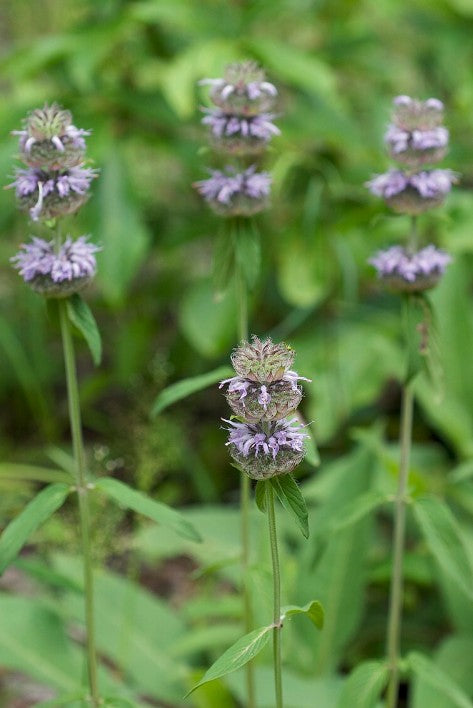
[54,184]
[417,139]
[267,444]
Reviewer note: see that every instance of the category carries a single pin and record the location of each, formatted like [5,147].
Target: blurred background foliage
[129,71]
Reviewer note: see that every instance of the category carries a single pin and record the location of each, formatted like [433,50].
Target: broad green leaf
[364,686]
[313,610]
[357,509]
[33,515]
[454,658]
[433,675]
[260,495]
[129,498]
[291,498]
[186,387]
[248,250]
[11,470]
[445,541]
[209,326]
[33,640]
[243,651]
[82,318]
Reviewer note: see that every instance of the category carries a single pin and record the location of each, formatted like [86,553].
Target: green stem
[273,540]
[242,297]
[395,602]
[82,492]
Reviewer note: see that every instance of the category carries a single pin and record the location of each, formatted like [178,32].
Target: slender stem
[82,490]
[273,540]
[242,297]
[395,602]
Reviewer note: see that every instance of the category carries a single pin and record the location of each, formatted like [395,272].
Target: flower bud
[262,361]
[243,91]
[49,140]
[266,451]
[56,273]
[415,136]
[410,272]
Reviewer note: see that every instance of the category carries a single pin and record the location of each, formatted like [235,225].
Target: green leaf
[311,452]
[33,515]
[433,675]
[446,543]
[313,610]
[357,509]
[454,658]
[248,250]
[31,473]
[182,389]
[161,513]
[82,318]
[260,495]
[364,686]
[223,262]
[291,498]
[239,654]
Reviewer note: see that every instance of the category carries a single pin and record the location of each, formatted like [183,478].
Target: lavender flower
[415,136]
[240,135]
[243,90]
[263,402]
[236,194]
[411,272]
[264,452]
[56,273]
[413,193]
[50,141]
[47,194]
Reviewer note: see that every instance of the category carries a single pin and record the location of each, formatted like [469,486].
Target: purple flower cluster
[415,137]
[241,125]
[56,272]
[262,395]
[234,193]
[411,272]
[54,193]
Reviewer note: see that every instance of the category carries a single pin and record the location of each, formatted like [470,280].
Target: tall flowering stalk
[266,441]
[240,128]
[416,139]
[54,183]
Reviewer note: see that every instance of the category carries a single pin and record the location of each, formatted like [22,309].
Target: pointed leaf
[31,473]
[444,538]
[161,513]
[364,686]
[182,389]
[33,515]
[433,675]
[260,495]
[82,318]
[313,610]
[291,498]
[357,509]
[237,655]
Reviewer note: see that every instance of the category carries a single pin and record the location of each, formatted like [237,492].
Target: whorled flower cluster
[55,182]
[56,271]
[411,272]
[415,138]
[233,193]
[241,125]
[264,392]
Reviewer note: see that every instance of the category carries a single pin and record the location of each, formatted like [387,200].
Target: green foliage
[33,515]
[186,387]
[129,498]
[364,686]
[82,318]
[290,496]
[313,610]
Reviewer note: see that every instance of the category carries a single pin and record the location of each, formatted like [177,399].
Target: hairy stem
[395,602]
[82,491]
[273,540]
